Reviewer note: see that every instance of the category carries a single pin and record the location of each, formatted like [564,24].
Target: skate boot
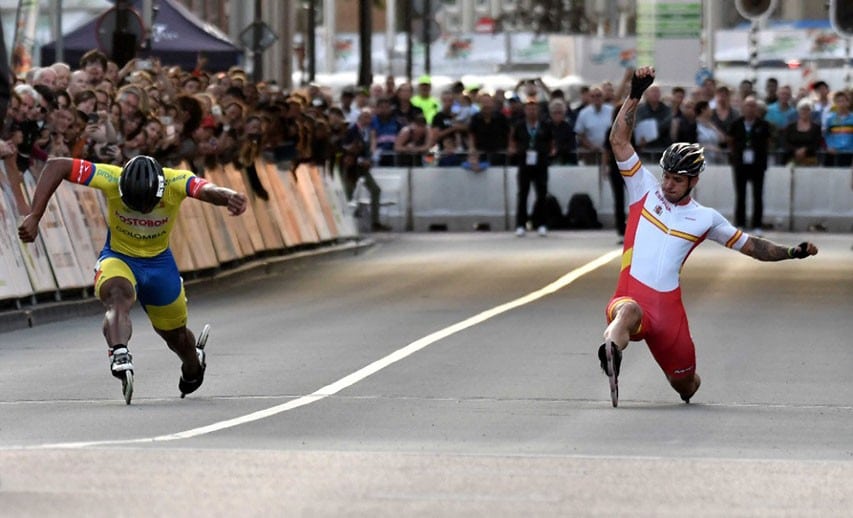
[121,367]
[190,386]
[686,398]
[611,360]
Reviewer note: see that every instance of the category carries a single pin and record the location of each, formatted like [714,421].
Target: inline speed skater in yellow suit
[143,200]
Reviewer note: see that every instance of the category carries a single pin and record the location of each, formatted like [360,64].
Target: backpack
[549,213]
[581,212]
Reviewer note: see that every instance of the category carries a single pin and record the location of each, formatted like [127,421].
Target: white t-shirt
[594,124]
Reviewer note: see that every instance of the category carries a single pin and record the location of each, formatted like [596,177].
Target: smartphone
[92,118]
[143,64]
[165,120]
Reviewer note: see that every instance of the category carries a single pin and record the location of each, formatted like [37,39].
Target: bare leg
[629,315]
[182,342]
[117,295]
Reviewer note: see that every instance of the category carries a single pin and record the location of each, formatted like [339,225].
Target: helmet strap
[689,189]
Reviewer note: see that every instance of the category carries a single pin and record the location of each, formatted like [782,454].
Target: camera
[92,118]
[143,64]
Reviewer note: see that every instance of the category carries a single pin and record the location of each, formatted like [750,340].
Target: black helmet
[683,158]
[142,183]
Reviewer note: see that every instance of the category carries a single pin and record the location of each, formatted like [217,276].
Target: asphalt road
[400,382]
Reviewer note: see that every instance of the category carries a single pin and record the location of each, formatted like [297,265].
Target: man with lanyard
[143,200]
[532,144]
[664,225]
[749,142]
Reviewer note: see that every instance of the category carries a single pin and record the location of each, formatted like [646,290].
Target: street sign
[418,8]
[258,36]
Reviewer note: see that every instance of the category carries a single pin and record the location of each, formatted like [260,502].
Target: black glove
[800,251]
[639,85]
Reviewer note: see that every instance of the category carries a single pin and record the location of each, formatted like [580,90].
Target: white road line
[364,372]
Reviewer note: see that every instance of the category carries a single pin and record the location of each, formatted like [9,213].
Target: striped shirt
[838,132]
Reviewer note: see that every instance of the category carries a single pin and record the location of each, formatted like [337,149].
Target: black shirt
[539,138]
[492,135]
[443,121]
[566,141]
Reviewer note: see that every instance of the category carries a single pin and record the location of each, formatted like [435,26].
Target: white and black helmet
[683,158]
[142,183]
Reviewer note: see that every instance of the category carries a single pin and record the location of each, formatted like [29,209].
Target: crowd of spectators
[101,112]
[104,113]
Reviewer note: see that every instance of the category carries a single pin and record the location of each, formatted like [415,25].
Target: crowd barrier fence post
[507,201]
[293,202]
[410,198]
[278,206]
[323,198]
[54,234]
[311,202]
[14,279]
[791,196]
[234,180]
[236,226]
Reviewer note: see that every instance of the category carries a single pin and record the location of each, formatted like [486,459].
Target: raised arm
[623,124]
[52,175]
[766,250]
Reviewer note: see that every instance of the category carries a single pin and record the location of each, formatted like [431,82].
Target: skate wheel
[127,386]
[201,341]
[614,380]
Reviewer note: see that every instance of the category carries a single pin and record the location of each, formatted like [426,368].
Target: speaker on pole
[755,10]
[841,17]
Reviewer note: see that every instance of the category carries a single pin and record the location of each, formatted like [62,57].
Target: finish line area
[449,374]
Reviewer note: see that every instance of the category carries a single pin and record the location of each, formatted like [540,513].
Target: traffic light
[755,9]
[841,17]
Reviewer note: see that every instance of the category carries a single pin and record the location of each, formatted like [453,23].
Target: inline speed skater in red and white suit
[664,225]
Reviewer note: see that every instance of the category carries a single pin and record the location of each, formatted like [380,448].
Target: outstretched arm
[623,125]
[223,196]
[51,176]
[766,250]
